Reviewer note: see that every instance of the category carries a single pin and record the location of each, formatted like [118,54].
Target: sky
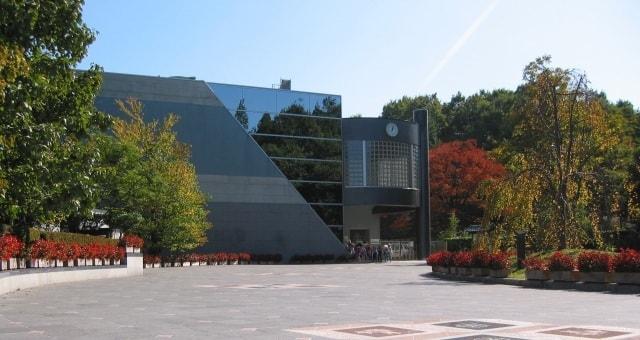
[369,52]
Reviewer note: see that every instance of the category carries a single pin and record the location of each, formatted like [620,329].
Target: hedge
[81,239]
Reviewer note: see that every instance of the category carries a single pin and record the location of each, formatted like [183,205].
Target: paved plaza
[337,301]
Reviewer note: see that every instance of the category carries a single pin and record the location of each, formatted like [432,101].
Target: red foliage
[628,260]
[245,257]
[456,169]
[10,247]
[441,259]
[535,263]
[151,259]
[499,260]
[232,257]
[559,261]
[480,259]
[462,259]
[131,240]
[595,261]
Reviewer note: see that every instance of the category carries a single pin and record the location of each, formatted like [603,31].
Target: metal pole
[421,116]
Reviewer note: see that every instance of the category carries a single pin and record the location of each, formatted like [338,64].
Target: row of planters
[478,263]
[588,266]
[213,259]
[47,253]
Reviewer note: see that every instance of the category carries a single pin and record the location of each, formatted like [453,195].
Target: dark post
[520,247]
[423,248]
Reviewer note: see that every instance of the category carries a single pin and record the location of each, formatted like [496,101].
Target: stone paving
[348,301]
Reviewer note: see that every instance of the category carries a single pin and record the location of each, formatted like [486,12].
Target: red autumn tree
[456,170]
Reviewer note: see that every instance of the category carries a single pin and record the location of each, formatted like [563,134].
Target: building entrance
[359,236]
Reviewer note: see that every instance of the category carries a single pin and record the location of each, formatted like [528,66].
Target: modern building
[271,161]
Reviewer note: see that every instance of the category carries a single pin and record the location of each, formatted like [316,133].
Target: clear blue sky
[370,52]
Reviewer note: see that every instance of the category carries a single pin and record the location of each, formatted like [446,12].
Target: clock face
[392,129]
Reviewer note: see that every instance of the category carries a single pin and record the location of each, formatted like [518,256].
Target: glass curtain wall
[301,133]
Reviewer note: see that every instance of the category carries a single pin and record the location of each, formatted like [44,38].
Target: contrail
[460,42]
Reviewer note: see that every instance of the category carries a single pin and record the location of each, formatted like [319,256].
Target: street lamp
[421,116]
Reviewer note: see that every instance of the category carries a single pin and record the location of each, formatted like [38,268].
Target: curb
[554,285]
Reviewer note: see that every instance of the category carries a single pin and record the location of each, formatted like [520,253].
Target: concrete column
[423,246]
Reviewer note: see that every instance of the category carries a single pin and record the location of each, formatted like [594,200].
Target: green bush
[459,244]
[35,234]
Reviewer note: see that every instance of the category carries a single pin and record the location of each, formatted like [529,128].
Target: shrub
[131,240]
[41,249]
[499,260]
[628,260]
[10,246]
[245,257]
[462,259]
[559,261]
[535,263]
[441,259]
[595,261]
[93,251]
[80,239]
[480,259]
[150,259]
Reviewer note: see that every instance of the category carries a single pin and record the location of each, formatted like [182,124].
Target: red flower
[10,247]
[535,263]
[462,259]
[499,260]
[628,260]
[480,259]
[595,261]
[559,261]
[246,257]
[131,240]
[441,259]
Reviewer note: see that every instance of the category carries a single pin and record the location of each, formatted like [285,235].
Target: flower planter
[33,263]
[203,263]
[480,271]
[596,277]
[437,269]
[220,263]
[539,275]
[148,265]
[97,262]
[167,264]
[464,271]
[233,262]
[565,275]
[4,264]
[627,278]
[193,264]
[80,262]
[499,273]
[132,249]
[186,264]
[69,263]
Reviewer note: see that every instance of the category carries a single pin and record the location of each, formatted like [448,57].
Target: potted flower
[233,258]
[462,262]
[194,259]
[536,269]
[499,265]
[222,258]
[151,261]
[37,254]
[480,260]
[245,258]
[94,252]
[133,243]
[595,266]
[10,248]
[626,266]
[439,261]
[562,267]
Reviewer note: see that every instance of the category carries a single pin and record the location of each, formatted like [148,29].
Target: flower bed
[133,243]
[589,266]
[476,263]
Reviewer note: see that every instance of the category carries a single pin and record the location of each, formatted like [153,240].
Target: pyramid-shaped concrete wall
[254,208]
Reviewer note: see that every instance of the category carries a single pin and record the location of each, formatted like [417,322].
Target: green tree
[484,117]
[403,109]
[149,186]
[241,115]
[47,117]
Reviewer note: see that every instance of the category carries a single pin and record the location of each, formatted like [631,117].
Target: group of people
[369,252]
